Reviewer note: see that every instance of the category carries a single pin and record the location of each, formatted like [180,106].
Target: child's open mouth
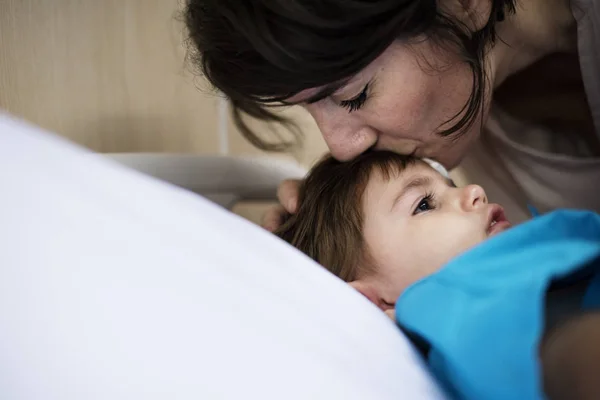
[497,221]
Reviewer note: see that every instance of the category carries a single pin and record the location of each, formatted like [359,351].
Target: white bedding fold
[114,285]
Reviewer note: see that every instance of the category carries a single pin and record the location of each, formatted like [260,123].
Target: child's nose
[473,197]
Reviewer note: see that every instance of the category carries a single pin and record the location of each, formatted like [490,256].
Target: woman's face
[400,102]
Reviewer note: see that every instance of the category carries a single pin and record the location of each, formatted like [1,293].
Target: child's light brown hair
[328,223]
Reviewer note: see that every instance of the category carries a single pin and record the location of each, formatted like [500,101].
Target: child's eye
[426,204]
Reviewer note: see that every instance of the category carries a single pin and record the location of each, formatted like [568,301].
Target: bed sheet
[114,285]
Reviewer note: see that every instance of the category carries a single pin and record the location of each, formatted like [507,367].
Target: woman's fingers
[287,193]
[273,217]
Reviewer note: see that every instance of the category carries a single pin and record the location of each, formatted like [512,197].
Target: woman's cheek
[403,115]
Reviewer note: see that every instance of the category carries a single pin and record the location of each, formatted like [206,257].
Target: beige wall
[111,75]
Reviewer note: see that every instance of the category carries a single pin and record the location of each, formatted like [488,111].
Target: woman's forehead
[312,95]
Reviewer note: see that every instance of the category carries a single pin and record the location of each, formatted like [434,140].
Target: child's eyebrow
[415,183]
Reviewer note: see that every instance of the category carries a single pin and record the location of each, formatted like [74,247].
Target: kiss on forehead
[407,219]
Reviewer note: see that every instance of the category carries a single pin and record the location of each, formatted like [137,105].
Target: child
[393,227]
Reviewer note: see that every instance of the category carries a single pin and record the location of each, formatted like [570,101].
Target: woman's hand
[287,193]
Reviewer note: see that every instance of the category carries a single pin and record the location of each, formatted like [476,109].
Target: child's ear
[370,291]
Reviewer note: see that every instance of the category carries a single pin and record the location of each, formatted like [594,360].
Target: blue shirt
[483,314]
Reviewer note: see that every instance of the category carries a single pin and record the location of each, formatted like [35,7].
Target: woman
[418,77]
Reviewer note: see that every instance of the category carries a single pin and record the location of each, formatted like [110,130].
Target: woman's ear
[475,14]
[369,290]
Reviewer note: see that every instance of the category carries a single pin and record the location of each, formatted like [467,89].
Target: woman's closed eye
[357,102]
[427,203]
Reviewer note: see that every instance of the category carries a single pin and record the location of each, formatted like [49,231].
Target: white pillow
[116,286]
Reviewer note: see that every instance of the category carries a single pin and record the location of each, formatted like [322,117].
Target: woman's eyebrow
[415,183]
[321,94]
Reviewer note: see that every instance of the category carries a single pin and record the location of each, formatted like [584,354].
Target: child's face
[416,222]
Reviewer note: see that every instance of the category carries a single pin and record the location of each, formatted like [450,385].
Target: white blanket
[114,285]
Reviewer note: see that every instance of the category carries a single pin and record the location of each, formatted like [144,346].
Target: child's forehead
[384,186]
[434,170]
[419,169]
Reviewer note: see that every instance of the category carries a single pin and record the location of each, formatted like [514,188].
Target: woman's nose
[345,136]
[348,143]
[473,197]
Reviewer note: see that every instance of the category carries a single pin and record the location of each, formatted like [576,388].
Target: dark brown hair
[329,221]
[262,52]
